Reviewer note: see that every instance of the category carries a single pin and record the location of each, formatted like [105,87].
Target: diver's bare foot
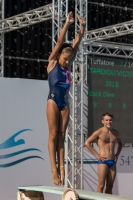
[62,175]
[55,176]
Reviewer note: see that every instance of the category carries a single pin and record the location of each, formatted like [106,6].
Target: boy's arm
[88,145]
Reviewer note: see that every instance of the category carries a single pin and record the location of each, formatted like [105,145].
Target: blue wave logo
[12,142]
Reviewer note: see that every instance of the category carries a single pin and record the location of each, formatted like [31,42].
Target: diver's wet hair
[66,47]
[107,114]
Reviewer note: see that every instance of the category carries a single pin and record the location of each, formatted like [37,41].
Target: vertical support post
[73,129]
[59,17]
[70,137]
[82,102]
[59,14]
[75,139]
[60,10]
[55,24]
[2,41]
[74,133]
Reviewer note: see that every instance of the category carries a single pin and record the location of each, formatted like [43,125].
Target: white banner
[24,156]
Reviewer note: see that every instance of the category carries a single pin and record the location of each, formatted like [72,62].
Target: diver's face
[64,59]
[107,121]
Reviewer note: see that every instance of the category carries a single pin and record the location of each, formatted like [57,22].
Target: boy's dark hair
[65,45]
[107,114]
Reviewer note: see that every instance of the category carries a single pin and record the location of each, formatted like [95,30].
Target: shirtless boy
[105,137]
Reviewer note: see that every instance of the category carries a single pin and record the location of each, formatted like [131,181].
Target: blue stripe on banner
[90,162]
[18,152]
[84,162]
[19,161]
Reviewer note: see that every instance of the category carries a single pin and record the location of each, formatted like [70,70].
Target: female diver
[58,69]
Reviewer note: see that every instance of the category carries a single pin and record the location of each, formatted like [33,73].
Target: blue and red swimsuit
[59,84]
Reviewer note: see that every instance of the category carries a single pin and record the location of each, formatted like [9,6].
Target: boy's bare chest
[108,137]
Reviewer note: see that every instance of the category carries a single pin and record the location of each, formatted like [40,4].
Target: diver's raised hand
[70,18]
[81,20]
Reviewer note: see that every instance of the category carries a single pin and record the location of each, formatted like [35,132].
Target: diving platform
[66,193]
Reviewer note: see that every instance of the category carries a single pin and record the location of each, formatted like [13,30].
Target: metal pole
[73,128]
[2,41]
